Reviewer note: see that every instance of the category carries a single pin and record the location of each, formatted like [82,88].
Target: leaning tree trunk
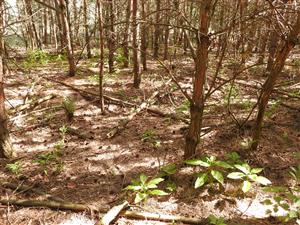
[101,57]
[268,86]
[135,45]
[6,149]
[67,37]
[197,104]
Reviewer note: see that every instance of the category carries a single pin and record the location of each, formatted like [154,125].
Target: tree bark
[67,37]
[156,30]
[197,104]
[86,29]
[135,45]
[268,86]
[6,150]
[101,57]
[143,36]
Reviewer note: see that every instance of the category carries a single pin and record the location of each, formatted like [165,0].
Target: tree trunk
[156,30]
[111,36]
[143,36]
[67,37]
[101,58]
[6,149]
[135,45]
[197,104]
[127,35]
[268,86]
[86,29]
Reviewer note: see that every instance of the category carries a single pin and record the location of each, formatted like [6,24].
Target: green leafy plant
[248,175]
[149,135]
[183,108]
[35,58]
[145,187]
[14,168]
[216,220]
[233,158]
[166,172]
[214,170]
[45,160]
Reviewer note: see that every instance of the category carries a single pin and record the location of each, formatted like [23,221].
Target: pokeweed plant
[213,170]
[145,187]
[248,175]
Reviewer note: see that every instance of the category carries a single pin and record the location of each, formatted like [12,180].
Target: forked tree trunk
[101,58]
[268,86]
[197,104]
[6,149]
[135,45]
[67,37]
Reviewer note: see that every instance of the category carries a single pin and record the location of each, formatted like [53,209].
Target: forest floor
[93,169]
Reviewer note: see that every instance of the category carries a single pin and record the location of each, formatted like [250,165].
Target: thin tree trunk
[67,37]
[156,30]
[101,58]
[197,104]
[268,86]
[135,45]
[6,149]
[86,29]
[111,36]
[143,36]
[127,35]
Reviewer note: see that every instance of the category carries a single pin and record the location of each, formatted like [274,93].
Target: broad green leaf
[245,168]
[293,214]
[143,178]
[153,183]
[223,164]
[201,179]
[197,162]
[253,177]
[256,170]
[157,192]
[267,202]
[217,175]
[133,188]
[169,169]
[285,206]
[171,185]
[140,197]
[246,185]
[236,175]
[262,180]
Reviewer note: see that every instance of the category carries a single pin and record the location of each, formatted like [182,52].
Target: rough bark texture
[135,45]
[268,86]
[197,104]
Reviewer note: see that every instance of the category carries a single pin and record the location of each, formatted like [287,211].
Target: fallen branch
[81,207]
[32,104]
[112,100]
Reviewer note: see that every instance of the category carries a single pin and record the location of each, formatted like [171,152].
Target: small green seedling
[248,176]
[166,172]
[14,168]
[213,171]
[216,220]
[145,187]
[149,135]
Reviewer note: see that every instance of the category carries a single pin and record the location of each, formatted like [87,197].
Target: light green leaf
[223,164]
[236,175]
[157,192]
[197,162]
[169,169]
[200,181]
[262,180]
[153,183]
[267,202]
[143,178]
[253,177]
[217,175]
[133,188]
[256,170]
[245,168]
[140,197]
[246,185]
